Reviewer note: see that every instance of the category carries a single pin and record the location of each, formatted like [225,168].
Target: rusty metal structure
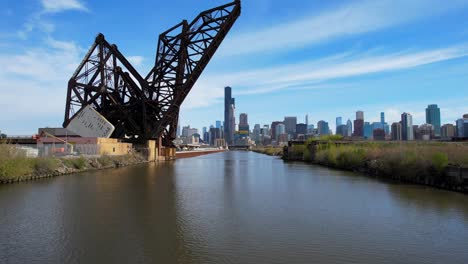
[148,107]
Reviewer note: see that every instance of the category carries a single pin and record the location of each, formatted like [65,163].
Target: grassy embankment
[419,162]
[269,150]
[15,166]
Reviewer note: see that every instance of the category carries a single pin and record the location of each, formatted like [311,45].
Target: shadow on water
[443,202]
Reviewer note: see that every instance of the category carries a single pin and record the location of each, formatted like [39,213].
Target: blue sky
[322,58]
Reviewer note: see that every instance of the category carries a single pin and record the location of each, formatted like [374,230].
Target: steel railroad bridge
[143,108]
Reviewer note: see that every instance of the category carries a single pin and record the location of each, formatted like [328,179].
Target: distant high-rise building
[243,119]
[229,118]
[433,118]
[462,127]
[265,135]
[396,131]
[416,133]
[310,129]
[359,115]
[358,128]
[382,117]
[426,132]
[349,129]
[192,132]
[342,130]
[290,123]
[339,122]
[447,131]
[273,129]
[359,124]
[256,133]
[243,122]
[323,128]
[307,120]
[205,134]
[185,131]
[215,133]
[280,129]
[407,127]
[367,130]
[378,134]
[301,129]
[218,124]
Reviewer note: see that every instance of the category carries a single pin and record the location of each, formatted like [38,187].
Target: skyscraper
[256,133]
[447,131]
[218,124]
[359,124]
[229,118]
[280,129]
[323,128]
[205,134]
[301,129]
[382,118]
[359,115]
[407,127]
[462,127]
[290,123]
[307,120]
[349,130]
[367,130]
[243,122]
[433,118]
[342,130]
[273,129]
[339,122]
[396,131]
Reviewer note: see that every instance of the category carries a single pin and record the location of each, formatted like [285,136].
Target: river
[231,207]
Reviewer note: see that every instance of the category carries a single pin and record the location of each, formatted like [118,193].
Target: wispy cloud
[55,6]
[136,61]
[351,19]
[38,21]
[34,81]
[313,74]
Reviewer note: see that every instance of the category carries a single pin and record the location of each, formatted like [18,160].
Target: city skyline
[367,60]
[381,115]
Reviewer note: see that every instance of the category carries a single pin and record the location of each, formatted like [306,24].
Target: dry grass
[413,161]
[15,165]
[270,150]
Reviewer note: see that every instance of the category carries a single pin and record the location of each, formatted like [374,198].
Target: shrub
[439,161]
[350,157]
[13,163]
[46,165]
[76,163]
[105,160]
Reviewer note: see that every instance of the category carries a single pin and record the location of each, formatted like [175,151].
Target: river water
[232,207]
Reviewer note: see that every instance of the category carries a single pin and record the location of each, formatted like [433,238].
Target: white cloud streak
[352,19]
[312,74]
[55,6]
[136,61]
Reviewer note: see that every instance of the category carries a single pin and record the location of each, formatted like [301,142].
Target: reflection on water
[233,207]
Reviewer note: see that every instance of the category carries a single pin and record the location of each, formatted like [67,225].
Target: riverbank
[16,167]
[270,151]
[442,165]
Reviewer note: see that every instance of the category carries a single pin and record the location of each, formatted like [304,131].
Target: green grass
[413,161]
[75,163]
[14,163]
[271,150]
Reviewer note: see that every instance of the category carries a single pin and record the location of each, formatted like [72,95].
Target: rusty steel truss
[148,108]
